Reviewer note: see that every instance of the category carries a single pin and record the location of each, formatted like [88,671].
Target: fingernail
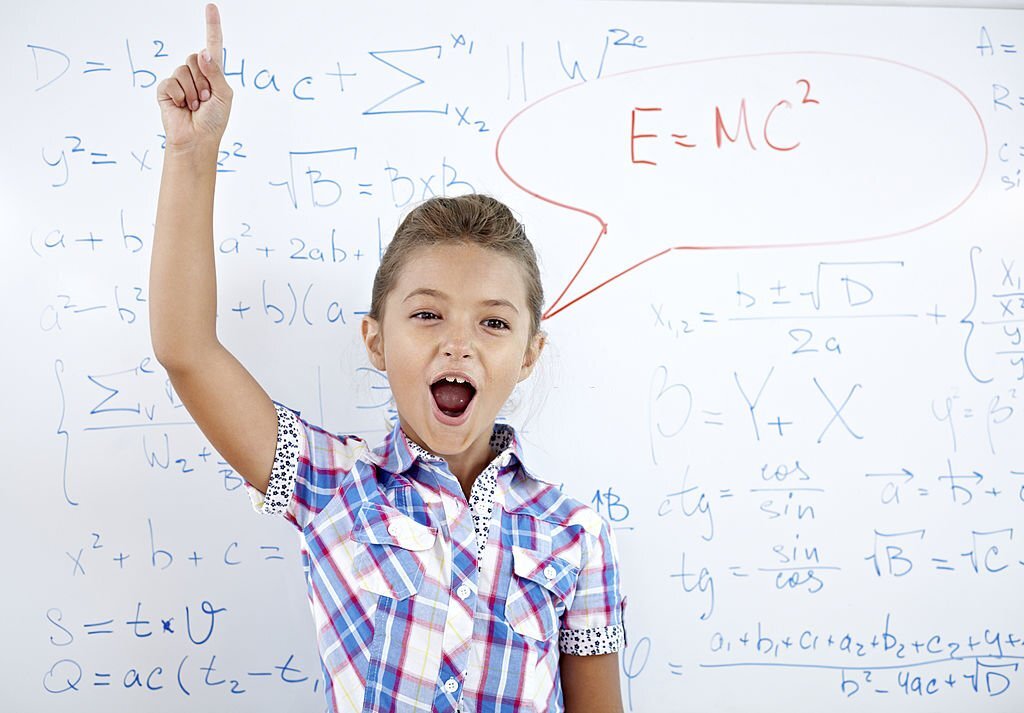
[205,94]
[195,105]
[206,54]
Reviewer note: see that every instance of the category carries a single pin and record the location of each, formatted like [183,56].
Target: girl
[443,573]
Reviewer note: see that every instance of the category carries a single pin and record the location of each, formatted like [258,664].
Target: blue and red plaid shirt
[423,601]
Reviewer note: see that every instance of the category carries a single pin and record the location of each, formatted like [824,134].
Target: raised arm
[228,405]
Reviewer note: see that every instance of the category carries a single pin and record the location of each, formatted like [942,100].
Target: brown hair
[474,218]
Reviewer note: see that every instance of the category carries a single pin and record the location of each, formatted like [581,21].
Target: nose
[457,340]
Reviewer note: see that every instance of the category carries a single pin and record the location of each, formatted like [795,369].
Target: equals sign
[725,493]
[738,574]
[94,154]
[675,667]
[101,683]
[97,67]
[1009,48]
[947,568]
[968,413]
[707,315]
[365,192]
[275,548]
[922,491]
[100,623]
[713,413]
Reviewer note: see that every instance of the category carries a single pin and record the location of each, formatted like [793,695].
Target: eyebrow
[437,293]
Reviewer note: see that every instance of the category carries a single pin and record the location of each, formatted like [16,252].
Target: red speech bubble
[773,150]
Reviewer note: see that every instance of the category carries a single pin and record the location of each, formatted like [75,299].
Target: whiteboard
[789,372]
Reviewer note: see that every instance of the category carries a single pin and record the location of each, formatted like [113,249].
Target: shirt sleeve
[309,467]
[595,623]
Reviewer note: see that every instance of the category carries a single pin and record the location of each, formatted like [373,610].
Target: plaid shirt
[423,603]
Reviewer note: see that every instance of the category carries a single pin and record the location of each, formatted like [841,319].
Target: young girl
[443,572]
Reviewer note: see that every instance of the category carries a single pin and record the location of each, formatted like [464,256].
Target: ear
[532,354]
[373,338]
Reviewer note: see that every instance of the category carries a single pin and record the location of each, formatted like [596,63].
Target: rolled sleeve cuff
[592,641]
[282,475]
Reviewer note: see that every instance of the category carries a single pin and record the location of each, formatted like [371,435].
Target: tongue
[452,398]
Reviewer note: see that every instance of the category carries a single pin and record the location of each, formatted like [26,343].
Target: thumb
[210,67]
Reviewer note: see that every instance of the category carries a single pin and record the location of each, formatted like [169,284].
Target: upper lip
[454,372]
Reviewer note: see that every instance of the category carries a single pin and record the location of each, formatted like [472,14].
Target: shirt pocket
[540,588]
[391,549]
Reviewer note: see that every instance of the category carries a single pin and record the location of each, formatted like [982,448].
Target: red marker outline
[551,311]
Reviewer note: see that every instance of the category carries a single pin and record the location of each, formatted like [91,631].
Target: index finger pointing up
[214,38]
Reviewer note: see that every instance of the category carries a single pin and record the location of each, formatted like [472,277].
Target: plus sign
[341,76]
[779,423]
[935,314]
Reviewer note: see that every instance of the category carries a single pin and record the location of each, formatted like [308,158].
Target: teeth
[455,379]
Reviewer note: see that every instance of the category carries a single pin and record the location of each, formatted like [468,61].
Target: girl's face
[448,311]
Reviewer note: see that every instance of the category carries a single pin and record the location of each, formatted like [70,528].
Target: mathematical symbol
[836,412]
[77,561]
[779,423]
[658,321]
[935,314]
[97,67]
[1007,276]
[681,143]
[275,548]
[341,76]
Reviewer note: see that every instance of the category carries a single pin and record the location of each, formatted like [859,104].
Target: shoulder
[534,497]
[318,447]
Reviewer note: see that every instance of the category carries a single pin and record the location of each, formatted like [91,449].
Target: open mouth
[451,397]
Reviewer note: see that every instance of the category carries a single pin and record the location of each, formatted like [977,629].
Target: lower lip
[452,420]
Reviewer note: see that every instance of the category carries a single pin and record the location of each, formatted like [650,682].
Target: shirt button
[451,685]
[549,572]
[394,529]
[463,591]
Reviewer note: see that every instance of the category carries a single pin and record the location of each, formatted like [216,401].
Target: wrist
[195,154]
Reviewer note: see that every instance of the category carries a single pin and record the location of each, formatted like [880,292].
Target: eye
[493,322]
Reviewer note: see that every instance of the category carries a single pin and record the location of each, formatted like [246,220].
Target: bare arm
[228,405]
[182,276]
[590,684]
[232,410]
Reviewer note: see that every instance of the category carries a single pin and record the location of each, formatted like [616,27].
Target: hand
[189,120]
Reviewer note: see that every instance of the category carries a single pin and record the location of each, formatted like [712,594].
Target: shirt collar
[397,452]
